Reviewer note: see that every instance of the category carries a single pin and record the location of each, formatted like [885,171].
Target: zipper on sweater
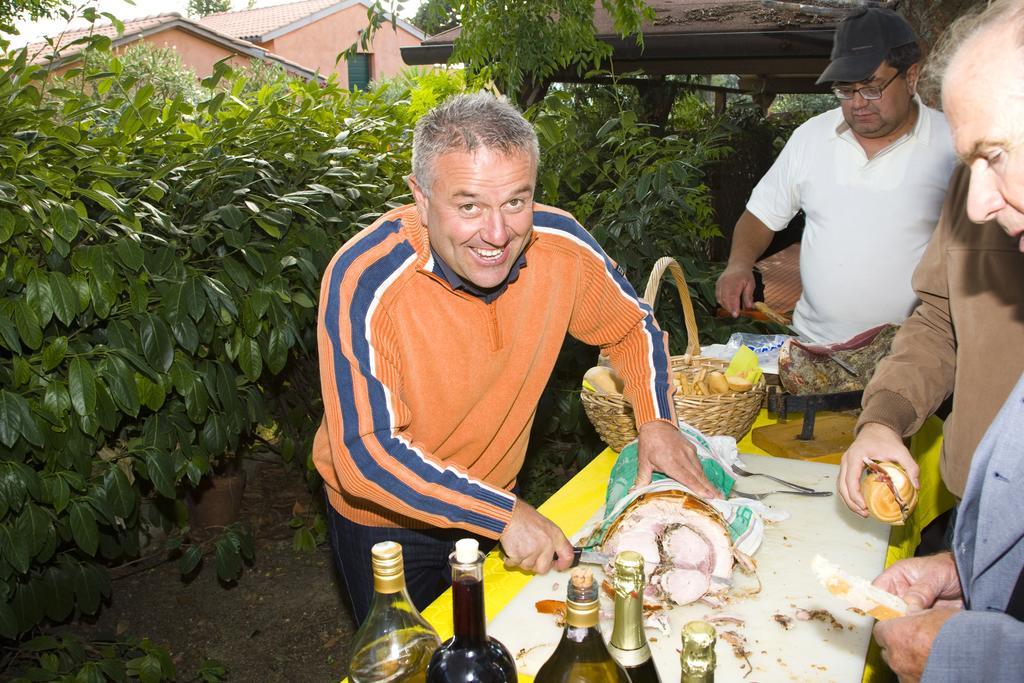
[493,327]
[490,310]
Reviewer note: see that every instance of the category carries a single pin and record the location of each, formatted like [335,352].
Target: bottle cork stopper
[582,577]
[467,550]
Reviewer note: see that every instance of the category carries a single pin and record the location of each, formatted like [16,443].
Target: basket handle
[651,295]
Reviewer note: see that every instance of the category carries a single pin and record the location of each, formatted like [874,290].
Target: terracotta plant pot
[218,501]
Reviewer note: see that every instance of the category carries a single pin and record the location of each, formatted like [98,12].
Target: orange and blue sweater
[430,393]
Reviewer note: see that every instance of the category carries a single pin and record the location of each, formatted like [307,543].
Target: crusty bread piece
[888,492]
[858,592]
[604,380]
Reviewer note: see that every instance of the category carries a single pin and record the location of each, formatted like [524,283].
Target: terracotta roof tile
[39,51]
[253,23]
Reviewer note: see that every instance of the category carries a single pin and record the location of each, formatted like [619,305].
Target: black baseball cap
[862,42]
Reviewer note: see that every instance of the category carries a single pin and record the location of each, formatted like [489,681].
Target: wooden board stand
[833,434]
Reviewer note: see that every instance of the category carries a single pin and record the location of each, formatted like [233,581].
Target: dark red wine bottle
[470,655]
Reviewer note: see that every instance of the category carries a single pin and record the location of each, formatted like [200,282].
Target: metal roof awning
[773,50]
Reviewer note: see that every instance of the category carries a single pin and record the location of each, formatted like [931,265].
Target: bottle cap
[698,655]
[700,634]
[629,559]
[386,550]
[582,577]
[629,573]
[388,568]
[467,550]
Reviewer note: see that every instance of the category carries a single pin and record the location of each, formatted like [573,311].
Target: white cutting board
[808,651]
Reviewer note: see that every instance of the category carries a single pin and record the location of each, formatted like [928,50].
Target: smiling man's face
[479,212]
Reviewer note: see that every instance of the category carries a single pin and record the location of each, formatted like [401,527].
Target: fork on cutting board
[740,472]
[762,496]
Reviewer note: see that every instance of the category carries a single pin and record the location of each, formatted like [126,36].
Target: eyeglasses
[868,92]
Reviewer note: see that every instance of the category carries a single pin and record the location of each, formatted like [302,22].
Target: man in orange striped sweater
[439,326]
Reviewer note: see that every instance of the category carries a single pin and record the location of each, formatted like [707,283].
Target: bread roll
[739,384]
[717,383]
[888,492]
[604,380]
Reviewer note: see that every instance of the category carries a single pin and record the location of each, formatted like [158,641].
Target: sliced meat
[686,548]
[643,539]
[718,538]
[683,586]
[748,563]
[676,532]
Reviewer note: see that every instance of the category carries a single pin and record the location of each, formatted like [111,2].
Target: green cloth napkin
[623,474]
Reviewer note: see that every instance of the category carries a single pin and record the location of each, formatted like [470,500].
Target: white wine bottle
[628,643]
[395,643]
[581,655]
[697,659]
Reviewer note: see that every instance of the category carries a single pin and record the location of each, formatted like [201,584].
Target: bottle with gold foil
[395,643]
[581,655]
[628,643]
[698,654]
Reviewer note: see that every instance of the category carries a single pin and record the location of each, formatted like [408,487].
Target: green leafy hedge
[159,273]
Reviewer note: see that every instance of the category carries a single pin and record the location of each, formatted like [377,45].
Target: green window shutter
[359,71]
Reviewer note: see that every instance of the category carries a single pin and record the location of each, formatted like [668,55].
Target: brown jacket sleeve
[918,374]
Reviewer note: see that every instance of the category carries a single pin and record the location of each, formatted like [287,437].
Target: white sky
[124,10]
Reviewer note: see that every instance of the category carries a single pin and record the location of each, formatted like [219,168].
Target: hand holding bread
[857,591]
[888,493]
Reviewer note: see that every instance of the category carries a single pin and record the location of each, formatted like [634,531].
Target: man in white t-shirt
[870,177]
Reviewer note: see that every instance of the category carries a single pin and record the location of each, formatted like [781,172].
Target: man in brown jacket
[964,335]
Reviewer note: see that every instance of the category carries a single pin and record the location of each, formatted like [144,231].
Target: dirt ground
[285,619]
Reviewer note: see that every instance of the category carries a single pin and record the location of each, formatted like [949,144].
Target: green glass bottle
[395,643]
[697,659]
[581,655]
[628,643]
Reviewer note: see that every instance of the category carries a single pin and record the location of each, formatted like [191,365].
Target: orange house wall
[196,53]
[317,45]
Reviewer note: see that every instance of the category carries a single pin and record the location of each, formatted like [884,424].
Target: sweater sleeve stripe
[657,360]
[382,435]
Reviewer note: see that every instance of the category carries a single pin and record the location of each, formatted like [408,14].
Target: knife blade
[584,556]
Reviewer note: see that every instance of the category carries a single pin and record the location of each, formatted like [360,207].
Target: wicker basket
[729,414]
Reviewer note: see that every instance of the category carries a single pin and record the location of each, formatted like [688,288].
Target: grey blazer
[981,643]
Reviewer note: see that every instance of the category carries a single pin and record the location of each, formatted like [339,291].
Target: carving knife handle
[576,553]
